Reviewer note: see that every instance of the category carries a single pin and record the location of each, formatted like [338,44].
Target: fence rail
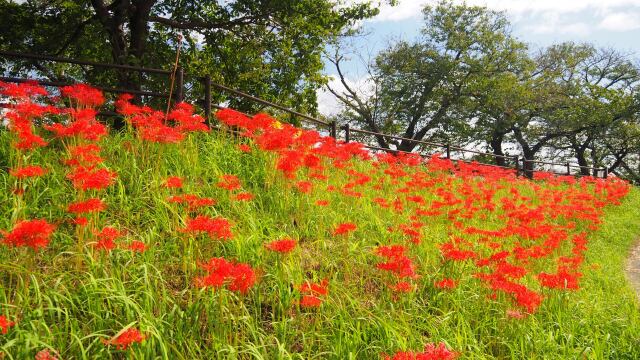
[522,166]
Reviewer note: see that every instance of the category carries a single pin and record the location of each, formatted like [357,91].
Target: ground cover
[166,240]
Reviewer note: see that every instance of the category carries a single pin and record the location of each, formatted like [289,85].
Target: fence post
[568,168]
[207,100]
[334,130]
[449,151]
[517,162]
[179,84]
[347,133]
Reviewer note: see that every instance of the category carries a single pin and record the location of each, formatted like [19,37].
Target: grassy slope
[71,311]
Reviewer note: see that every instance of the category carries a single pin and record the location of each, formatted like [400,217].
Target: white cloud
[620,21]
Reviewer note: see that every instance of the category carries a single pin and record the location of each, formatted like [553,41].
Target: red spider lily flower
[45,355]
[106,238]
[229,182]
[402,287]
[83,94]
[304,186]
[322,203]
[92,205]
[446,284]
[312,293]
[137,246]
[30,233]
[84,155]
[563,279]
[185,119]
[22,91]
[431,352]
[193,201]
[236,276]
[310,301]
[89,178]
[217,228]
[5,324]
[397,262]
[80,221]
[345,228]
[245,196]
[125,339]
[282,246]
[28,172]
[244,148]
[173,182]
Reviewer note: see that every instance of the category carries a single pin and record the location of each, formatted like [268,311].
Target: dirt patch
[633,268]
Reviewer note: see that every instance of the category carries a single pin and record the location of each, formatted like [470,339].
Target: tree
[424,89]
[269,48]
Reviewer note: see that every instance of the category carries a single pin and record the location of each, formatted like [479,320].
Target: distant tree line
[468,80]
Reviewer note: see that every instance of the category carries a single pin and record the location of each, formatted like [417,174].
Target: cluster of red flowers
[217,228]
[28,172]
[154,126]
[35,234]
[125,339]
[5,324]
[345,228]
[313,293]
[282,246]
[238,277]
[431,352]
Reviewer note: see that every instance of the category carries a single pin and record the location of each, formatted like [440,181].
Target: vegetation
[467,80]
[268,241]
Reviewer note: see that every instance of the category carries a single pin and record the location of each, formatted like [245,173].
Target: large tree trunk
[582,160]
[496,145]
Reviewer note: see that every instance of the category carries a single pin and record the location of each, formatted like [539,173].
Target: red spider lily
[5,324]
[192,201]
[245,196]
[106,238]
[312,293]
[397,262]
[28,172]
[217,228]
[322,202]
[137,246]
[83,95]
[244,148]
[345,228]
[304,186]
[80,221]
[173,182]
[125,339]
[92,205]
[83,125]
[431,352]
[402,287]
[282,246]
[84,155]
[446,284]
[186,121]
[89,178]
[22,91]
[229,182]
[236,276]
[563,279]
[30,233]
[45,355]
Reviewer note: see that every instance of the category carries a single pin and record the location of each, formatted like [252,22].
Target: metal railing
[522,166]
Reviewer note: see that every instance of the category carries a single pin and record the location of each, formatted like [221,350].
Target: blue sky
[608,23]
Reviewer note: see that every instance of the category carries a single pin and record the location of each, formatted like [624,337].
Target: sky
[607,23]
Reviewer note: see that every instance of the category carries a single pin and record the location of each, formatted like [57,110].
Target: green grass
[71,310]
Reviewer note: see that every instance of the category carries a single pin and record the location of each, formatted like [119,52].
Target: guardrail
[522,166]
